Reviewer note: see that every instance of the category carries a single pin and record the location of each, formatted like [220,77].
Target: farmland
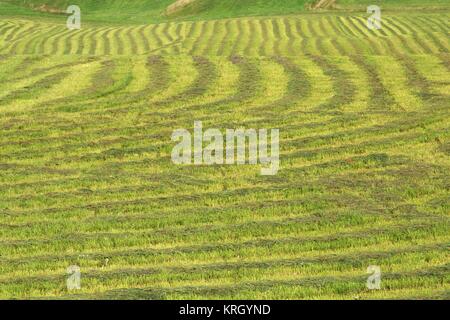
[86,176]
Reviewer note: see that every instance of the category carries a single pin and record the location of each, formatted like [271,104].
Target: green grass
[153,11]
[86,177]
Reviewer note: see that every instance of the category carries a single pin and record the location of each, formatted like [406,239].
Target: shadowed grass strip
[380,98]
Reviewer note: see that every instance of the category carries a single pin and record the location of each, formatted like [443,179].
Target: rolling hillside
[86,178]
[155,11]
[331,34]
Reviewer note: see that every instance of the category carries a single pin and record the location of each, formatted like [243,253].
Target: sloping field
[334,34]
[86,177]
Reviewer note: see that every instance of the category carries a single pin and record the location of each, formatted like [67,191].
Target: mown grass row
[288,36]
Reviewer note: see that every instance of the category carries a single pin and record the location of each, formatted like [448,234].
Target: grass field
[86,177]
